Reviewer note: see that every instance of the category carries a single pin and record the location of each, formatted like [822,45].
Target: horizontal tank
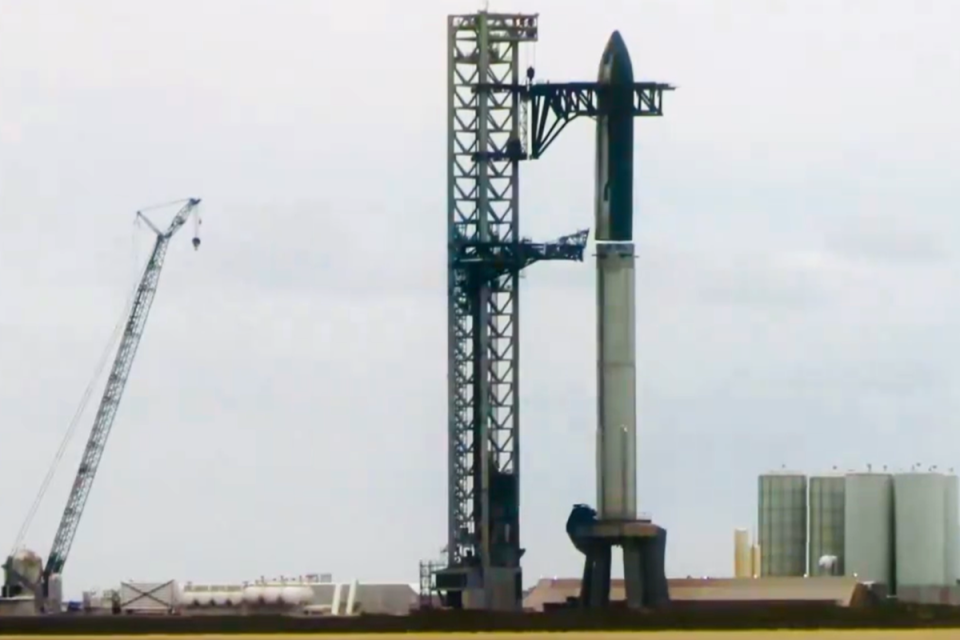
[920,500]
[271,595]
[782,506]
[253,594]
[197,598]
[226,598]
[296,595]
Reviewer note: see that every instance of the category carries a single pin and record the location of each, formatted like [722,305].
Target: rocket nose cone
[617,45]
[616,61]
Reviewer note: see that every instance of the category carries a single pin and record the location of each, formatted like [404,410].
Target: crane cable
[85,398]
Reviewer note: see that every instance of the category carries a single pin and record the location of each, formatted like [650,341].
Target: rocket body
[616,304]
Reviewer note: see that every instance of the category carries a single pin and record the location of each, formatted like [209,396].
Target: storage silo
[952,532]
[920,501]
[868,525]
[826,524]
[742,565]
[783,524]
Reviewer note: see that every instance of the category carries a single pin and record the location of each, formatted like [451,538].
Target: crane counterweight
[16,582]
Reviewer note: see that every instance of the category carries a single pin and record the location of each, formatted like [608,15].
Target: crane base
[644,547]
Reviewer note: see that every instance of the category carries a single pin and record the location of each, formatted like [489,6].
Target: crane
[15,580]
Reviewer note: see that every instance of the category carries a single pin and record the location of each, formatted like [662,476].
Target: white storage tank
[198,598]
[868,527]
[271,595]
[55,595]
[827,493]
[952,532]
[741,554]
[295,595]
[920,500]
[782,524]
[253,594]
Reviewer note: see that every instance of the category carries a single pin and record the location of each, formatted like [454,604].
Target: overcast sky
[798,258]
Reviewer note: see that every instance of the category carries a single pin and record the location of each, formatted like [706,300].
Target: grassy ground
[917,634]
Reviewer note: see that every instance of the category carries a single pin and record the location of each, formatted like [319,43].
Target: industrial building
[840,591]
[900,530]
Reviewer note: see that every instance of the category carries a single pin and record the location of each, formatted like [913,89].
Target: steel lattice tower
[483,205]
[485,256]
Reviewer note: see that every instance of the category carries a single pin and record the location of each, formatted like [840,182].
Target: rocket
[616,304]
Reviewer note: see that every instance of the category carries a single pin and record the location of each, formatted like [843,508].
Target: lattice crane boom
[116,383]
[110,402]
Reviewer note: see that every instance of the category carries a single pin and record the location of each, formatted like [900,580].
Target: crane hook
[196,229]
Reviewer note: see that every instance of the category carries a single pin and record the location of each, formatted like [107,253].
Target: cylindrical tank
[826,524]
[253,594]
[920,501]
[292,595]
[271,595]
[55,594]
[198,598]
[783,524]
[741,553]
[178,591]
[952,532]
[868,527]
[308,595]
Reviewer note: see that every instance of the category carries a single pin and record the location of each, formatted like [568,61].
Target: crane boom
[116,383]
[107,411]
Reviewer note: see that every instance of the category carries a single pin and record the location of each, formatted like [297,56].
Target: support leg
[633,574]
[653,551]
[595,588]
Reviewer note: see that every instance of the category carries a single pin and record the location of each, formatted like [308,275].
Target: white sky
[796,216]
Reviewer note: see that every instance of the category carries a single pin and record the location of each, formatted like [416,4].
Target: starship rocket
[616,305]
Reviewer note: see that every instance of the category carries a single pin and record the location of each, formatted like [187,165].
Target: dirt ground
[918,634]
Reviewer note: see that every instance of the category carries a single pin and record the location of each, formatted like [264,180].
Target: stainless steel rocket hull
[616,304]
[616,382]
[614,523]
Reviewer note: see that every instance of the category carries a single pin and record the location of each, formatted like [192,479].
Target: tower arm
[555,105]
[488,260]
[116,383]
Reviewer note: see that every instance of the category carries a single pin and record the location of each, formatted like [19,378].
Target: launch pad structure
[497,117]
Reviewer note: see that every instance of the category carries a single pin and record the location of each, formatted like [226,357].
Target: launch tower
[485,256]
[498,117]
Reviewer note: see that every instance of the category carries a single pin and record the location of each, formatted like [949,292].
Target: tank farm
[863,549]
